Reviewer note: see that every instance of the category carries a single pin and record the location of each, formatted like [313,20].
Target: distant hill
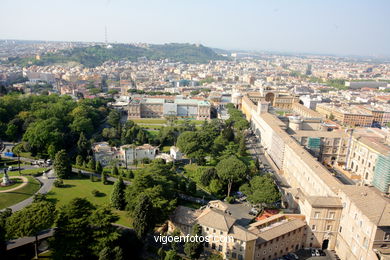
[95,55]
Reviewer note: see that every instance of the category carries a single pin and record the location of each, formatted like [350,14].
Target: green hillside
[96,55]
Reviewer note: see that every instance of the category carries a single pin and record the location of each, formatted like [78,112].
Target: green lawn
[10,198]
[149,121]
[14,184]
[82,188]
[153,133]
[34,172]
[197,122]
[148,126]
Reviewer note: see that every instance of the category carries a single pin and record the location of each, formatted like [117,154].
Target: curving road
[47,184]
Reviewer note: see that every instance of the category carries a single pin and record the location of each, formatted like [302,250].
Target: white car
[313,252]
[317,252]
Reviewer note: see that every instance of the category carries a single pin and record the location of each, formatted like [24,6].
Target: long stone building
[353,220]
[161,107]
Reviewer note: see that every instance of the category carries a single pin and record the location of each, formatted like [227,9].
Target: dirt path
[24,179]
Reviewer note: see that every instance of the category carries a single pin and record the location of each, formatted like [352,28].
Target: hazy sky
[316,26]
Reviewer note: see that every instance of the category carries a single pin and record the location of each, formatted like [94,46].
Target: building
[328,147]
[131,153]
[175,153]
[278,235]
[369,158]
[329,205]
[124,155]
[160,107]
[263,240]
[348,116]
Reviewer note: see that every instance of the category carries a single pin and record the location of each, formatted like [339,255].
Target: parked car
[317,252]
[11,168]
[322,253]
[293,256]
[313,252]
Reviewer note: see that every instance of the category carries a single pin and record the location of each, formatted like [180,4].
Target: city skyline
[347,28]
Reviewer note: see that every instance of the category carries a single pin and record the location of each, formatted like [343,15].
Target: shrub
[58,183]
[230,199]
[95,193]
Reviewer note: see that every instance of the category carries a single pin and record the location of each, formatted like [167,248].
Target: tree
[31,220]
[191,187]
[142,137]
[115,171]
[79,160]
[92,164]
[161,253]
[4,215]
[231,170]
[216,187]
[99,168]
[114,118]
[188,142]
[242,147]
[194,249]
[207,176]
[18,149]
[83,145]
[171,255]
[118,194]
[73,236]
[104,177]
[261,190]
[62,165]
[143,220]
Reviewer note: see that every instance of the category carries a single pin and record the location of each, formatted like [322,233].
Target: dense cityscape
[104,150]
[185,130]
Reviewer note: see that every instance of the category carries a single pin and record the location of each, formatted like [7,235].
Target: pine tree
[92,164]
[62,165]
[104,177]
[83,145]
[99,168]
[194,249]
[115,171]
[143,219]
[118,194]
[79,160]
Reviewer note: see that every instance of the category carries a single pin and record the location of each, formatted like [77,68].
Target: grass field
[152,133]
[148,126]
[14,184]
[34,172]
[149,121]
[10,198]
[82,188]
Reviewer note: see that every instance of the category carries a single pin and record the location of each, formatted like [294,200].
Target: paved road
[47,184]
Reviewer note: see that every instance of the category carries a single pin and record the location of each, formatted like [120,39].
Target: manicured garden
[10,198]
[83,188]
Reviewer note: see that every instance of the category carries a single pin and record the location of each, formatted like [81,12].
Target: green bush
[95,193]
[58,183]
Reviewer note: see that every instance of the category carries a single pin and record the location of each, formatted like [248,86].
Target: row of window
[328,227]
[276,240]
[281,252]
[220,248]
[331,215]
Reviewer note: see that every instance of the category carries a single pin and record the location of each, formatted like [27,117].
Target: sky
[341,27]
